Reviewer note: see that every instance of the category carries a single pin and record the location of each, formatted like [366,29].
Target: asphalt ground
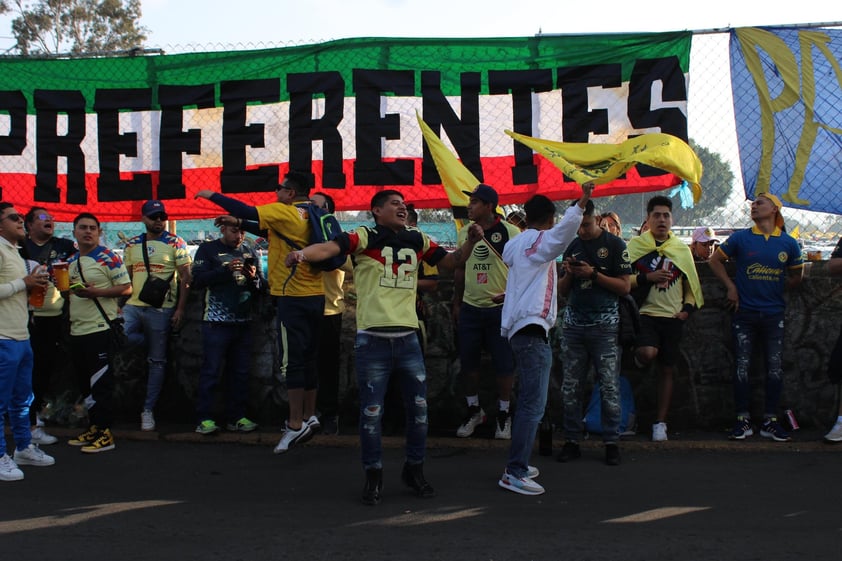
[174,494]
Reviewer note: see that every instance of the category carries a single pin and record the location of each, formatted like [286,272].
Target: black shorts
[663,334]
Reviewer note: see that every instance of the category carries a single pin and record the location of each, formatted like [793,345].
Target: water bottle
[545,437]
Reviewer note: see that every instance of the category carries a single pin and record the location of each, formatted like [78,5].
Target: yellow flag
[455,177]
[602,163]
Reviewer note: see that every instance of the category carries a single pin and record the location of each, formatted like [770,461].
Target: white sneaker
[292,437]
[659,432]
[503,426]
[521,485]
[532,472]
[9,470]
[33,456]
[42,437]
[313,423]
[474,418]
[835,434]
[147,420]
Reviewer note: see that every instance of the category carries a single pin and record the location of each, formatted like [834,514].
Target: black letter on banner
[50,146]
[574,81]
[236,135]
[303,129]
[463,133]
[521,83]
[369,167]
[174,140]
[671,120]
[107,104]
[14,103]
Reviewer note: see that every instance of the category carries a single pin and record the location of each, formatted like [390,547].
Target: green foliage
[51,27]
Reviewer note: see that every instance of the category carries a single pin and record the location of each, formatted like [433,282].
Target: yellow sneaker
[86,437]
[103,443]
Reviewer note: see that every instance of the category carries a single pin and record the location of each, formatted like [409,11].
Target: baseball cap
[485,193]
[704,234]
[779,220]
[152,207]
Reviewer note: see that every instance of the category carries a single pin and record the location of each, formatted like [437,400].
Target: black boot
[373,486]
[413,476]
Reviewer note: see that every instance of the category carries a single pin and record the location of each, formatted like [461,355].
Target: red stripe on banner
[19,189]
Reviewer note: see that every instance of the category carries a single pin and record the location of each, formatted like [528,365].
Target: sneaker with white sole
[474,418]
[520,485]
[503,426]
[9,470]
[33,456]
[835,434]
[742,428]
[208,426]
[147,420]
[659,432]
[293,437]
[103,443]
[532,472]
[314,424]
[243,425]
[771,428]
[42,437]
[86,437]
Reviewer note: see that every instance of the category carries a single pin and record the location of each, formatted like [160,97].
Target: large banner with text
[787,88]
[104,135]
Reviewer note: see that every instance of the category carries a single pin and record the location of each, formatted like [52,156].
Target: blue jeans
[228,343]
[752,327]
[533,359]
[580,347]
[150,326]
[15,391]
[377,359]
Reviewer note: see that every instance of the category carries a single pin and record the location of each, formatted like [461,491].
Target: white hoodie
[531,288]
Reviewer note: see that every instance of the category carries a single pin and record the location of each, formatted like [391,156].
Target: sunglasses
[43,217]
[158,216]
[14,217]
[283,187]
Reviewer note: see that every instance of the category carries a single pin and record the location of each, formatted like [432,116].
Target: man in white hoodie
[529,311]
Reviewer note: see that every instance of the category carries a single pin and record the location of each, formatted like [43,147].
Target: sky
[218,24]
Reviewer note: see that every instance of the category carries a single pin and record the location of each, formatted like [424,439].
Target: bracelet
[301,257]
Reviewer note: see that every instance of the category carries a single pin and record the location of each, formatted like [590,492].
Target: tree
[51,27]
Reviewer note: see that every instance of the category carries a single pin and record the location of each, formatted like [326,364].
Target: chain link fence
[712,133]
[711,130]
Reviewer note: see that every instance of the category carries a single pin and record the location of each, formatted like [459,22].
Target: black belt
[533,330]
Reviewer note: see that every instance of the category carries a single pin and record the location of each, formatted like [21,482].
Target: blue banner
[787,88]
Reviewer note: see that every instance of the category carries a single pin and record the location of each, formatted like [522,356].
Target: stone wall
[703,391]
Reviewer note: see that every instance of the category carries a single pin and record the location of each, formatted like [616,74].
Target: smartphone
[77,286]
[576,263]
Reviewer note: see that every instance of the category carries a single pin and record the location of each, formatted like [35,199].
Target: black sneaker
[569,452]
[413,476]
[373,490]
[612,454]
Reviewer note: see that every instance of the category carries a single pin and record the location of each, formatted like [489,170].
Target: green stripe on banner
[451,57]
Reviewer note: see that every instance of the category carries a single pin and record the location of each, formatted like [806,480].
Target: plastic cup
[61,274]
[37,293]
[36,296]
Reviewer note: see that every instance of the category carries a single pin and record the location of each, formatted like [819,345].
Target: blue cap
[152,207]
[485,193]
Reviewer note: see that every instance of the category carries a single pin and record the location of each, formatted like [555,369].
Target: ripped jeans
[750,327]
[377,358]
